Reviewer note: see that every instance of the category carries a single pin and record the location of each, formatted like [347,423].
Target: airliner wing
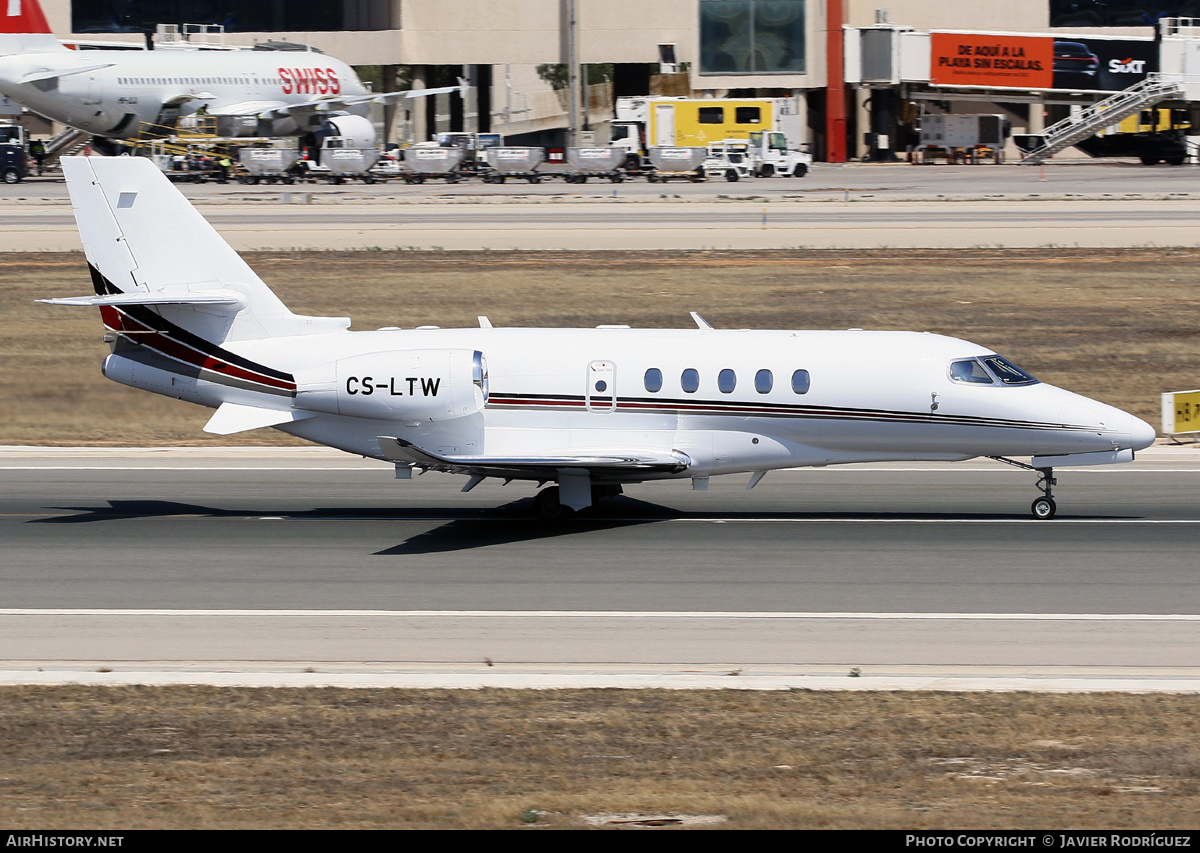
[326,104]
[536,467]
[249,108]
[335,103]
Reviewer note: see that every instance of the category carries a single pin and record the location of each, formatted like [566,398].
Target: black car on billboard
[1075,66]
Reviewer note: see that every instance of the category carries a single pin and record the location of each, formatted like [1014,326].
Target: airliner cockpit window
[1007,372]
[970,370]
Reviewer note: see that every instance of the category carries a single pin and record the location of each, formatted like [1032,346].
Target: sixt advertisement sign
[1040,62]
[1108,65]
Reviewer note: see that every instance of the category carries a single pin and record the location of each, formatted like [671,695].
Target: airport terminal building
[856,67]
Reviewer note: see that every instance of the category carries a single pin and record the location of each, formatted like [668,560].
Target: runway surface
[267,563]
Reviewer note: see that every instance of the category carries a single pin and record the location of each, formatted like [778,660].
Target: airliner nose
[1141,434]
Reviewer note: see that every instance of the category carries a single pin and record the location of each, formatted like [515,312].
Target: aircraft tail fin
[156,262]
[23,29]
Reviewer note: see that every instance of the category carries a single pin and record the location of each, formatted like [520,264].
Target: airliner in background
[590,410]
[116,93]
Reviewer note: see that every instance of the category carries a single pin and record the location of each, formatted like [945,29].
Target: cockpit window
[970,370]
[989,370]
[1007,372]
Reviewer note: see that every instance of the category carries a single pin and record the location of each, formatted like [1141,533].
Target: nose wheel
[1044,507]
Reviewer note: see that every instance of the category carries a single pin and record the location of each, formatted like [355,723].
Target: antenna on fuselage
[701,323]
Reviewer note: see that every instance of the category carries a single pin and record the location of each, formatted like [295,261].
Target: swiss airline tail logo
[23,16]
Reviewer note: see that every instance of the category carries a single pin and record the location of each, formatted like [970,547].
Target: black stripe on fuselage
[560,402]
[155,321]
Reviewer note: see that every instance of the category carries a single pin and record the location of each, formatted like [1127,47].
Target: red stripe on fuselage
[162,343]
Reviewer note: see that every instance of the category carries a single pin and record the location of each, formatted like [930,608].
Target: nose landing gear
[1044,507]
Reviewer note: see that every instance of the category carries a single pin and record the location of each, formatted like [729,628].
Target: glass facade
[752,37]
[237,16]
[1119,13]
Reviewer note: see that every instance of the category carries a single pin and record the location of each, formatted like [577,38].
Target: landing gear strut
[1044,507]
[548,505]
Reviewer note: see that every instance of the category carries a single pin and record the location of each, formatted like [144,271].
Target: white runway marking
[610,614]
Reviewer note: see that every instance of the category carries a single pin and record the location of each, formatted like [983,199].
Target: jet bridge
[1103,78]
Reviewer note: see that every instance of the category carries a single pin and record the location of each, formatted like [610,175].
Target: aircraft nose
[1141,434]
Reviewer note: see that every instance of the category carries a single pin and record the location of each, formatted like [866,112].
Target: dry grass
[1120,325]
[325,758]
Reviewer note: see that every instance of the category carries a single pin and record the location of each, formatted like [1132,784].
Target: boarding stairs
[1154,89]
[65,143]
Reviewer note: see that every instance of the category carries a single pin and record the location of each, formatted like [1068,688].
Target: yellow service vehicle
[644,122]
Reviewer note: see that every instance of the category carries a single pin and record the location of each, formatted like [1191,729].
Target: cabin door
[601,393]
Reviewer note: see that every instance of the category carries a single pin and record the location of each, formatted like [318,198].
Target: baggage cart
[682,163]
[513,163]
[422,163]
[267,164]
[584,163]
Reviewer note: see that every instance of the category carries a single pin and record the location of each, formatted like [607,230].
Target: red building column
[835,83]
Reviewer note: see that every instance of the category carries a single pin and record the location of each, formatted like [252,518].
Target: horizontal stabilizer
[65,71]
[234,417]
[535,467]
[211,297]
[1071,460]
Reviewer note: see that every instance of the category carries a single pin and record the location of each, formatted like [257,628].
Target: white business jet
[115,93]
[587,409]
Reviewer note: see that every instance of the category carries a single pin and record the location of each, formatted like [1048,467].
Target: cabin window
[749,115]
[800,381]
[1007,372]
[726,381]
[654,380]
[971,371]
[763,382]
[690,380]
[712,115]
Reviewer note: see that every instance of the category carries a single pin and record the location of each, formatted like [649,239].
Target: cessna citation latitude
[113,93]
[590,410]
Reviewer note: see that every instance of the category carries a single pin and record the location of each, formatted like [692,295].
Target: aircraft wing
[334,103]
[535,467]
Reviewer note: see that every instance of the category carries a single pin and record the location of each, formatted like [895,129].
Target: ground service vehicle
[645,123]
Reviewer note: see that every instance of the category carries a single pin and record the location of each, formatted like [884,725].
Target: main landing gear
[548,505]
[1044,507]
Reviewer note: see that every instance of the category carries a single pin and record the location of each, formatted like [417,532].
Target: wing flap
[537,467]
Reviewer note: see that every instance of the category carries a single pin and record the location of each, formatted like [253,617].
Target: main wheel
[547,507]
[1044,508]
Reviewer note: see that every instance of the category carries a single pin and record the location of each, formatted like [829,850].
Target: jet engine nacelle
[405,385]
[357,131]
